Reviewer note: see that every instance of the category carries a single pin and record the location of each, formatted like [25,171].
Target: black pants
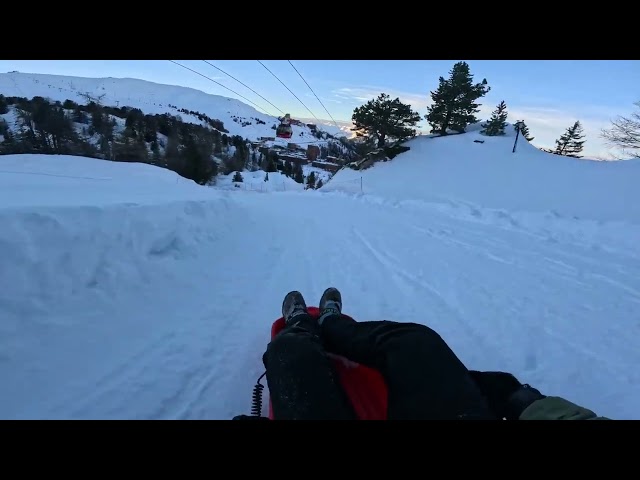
[425,379]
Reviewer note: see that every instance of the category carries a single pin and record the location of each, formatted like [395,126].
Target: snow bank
[457,169]
[64,180]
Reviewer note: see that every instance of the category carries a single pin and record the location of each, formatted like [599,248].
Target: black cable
[288,89]
[314,93]
[211,79]
[247,86]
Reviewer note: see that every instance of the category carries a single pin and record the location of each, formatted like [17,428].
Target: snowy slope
[455,168]
[151,98]
[128,293]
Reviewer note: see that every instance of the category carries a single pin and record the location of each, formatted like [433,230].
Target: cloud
[344,126]
[418,101]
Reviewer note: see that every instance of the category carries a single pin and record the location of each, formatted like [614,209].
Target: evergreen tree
[524,130]
[237,177]
[570,144]
[383,118]
[298,176]
[272,159]
[288,168]
[156,158]
[454,101]
[4,107]
[311,180]
[319,184]
[497,122]
[9,142]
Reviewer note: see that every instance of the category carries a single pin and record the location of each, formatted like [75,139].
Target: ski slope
[128,292]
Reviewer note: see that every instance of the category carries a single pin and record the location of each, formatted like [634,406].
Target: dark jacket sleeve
[557,408]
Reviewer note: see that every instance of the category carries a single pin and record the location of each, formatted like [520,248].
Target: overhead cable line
[325,108]
[288,89]
[211,79]
[245,85]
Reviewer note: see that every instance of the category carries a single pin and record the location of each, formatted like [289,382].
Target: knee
[420,329]
[289,345]
[411,336]
[409,329]
[287,339]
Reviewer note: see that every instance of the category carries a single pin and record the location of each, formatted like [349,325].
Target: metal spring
[256,408]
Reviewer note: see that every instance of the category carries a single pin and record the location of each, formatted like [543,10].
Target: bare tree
[625,133]
[91,98]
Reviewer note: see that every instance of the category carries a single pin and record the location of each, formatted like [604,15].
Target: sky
[549,95]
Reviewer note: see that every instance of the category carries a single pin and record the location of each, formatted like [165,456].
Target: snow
[255,181]
[455,168]
[278,182]
[154,98]
[128,292]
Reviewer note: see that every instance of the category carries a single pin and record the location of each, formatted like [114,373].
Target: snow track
[164,311]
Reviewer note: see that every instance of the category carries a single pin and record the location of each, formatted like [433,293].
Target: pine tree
[454,106]
[272,161]
[524,130]
[497,122]
[266,177]
[311,180]
[238,177]
[298,176]
[383,118]
[571,143]
[156,158]
[4,107]
[319,184]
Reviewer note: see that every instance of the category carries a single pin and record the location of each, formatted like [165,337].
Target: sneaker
[293,305]
[330,302]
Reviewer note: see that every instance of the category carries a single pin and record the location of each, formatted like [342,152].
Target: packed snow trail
[163,312]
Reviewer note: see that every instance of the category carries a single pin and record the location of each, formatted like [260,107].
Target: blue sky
[548,94]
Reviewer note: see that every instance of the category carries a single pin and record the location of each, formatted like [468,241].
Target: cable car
[284,130]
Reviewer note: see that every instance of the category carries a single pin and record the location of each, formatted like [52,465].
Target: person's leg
[425,379]
[302,382]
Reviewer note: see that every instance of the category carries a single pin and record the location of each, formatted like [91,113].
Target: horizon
[556,93]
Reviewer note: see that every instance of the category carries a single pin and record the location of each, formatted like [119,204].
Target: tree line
[384,121]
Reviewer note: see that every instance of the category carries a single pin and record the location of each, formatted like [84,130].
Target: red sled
[364,386]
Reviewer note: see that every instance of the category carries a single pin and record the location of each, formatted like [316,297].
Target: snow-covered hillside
[129,293]
[153,98]
[457,168]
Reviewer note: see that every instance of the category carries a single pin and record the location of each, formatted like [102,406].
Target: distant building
[329,167]
[293,159]
[313,152]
